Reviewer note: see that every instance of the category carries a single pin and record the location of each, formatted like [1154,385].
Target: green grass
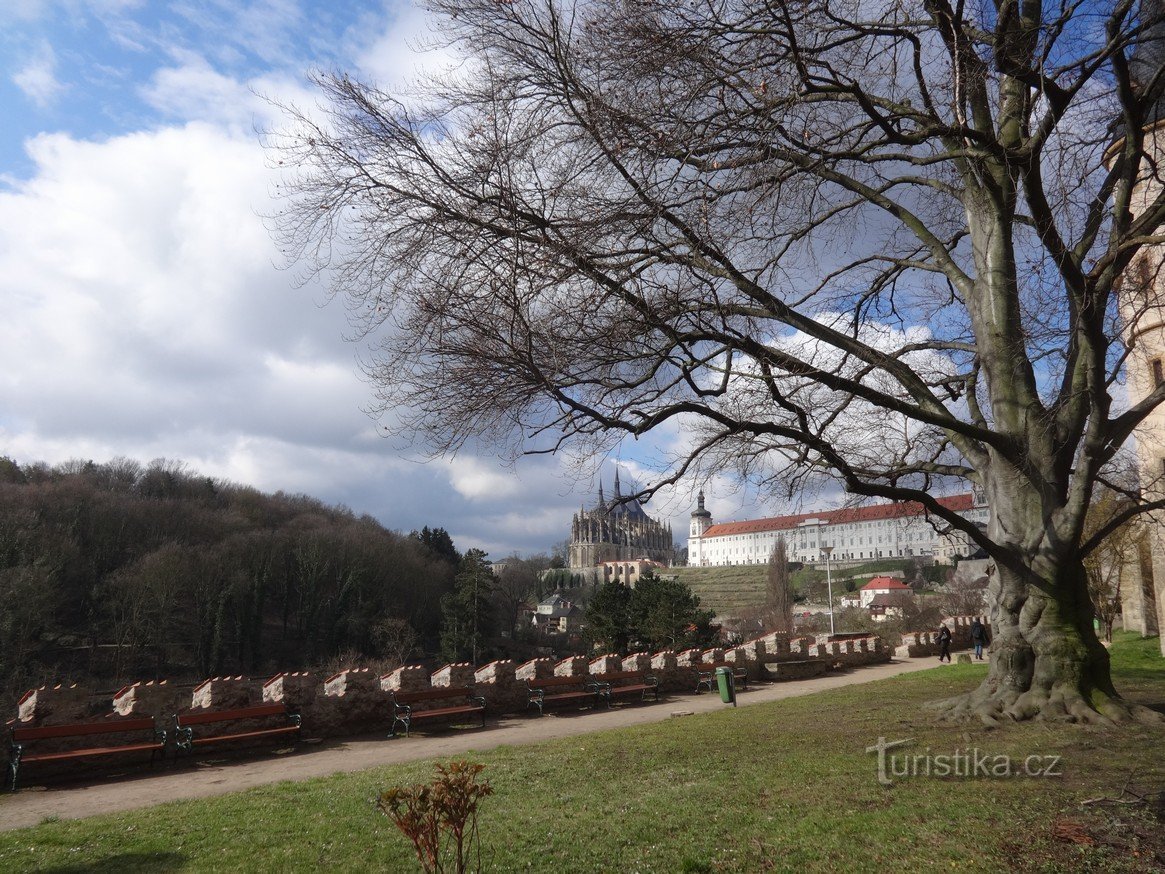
[781,786]
[728,589]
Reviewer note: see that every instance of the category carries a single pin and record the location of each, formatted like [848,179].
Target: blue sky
[144,312]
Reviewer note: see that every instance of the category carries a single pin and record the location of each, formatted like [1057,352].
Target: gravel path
[34,804]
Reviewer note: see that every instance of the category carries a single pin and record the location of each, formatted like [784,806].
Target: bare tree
[877,243]
[1114,556]
[779,600]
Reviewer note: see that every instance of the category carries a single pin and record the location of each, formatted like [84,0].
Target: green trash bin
[727,684]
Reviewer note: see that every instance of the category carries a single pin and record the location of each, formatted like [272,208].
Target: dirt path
[32,805]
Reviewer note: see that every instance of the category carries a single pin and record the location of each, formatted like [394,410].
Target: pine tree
[780,593]
[467,613]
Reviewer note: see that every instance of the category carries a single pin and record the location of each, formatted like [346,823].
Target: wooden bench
[185,723]
[404,714]
[20,737]
[620,683]
[706,675]
[562,690]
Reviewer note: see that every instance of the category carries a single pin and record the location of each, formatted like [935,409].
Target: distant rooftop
[876,512]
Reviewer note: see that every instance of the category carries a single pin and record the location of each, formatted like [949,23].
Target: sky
[145,313]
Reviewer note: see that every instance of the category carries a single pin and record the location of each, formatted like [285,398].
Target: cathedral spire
[618,493]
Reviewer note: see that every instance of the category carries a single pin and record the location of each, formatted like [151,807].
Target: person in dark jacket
[979,638]
[944,643]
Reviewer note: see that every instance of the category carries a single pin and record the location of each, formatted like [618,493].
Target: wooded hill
[117,572]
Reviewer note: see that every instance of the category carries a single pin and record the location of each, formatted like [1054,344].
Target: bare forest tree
[1116,556]
[874,243]
[779,591]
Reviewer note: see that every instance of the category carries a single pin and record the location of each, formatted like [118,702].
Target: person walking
[944,643]
[978,637]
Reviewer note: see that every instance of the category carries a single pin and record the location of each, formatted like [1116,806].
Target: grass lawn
[783,786]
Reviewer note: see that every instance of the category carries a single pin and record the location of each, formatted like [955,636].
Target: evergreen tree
[779,600]
[467,618]
[665,613]
[439,542]
[608,617]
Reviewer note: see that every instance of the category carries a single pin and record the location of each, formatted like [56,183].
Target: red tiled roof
[874,513]
[885,583]
[891,600]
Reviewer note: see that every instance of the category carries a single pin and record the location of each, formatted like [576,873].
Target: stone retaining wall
[918,644]
[356,701]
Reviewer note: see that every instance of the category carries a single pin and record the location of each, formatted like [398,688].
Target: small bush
[440,818]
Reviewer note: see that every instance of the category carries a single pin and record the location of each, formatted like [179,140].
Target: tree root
[1060,703]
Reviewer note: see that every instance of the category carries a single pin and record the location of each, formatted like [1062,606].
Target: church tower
[701,522]
[1142,310]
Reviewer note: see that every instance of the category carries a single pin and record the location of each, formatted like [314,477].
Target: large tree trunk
[1046,660]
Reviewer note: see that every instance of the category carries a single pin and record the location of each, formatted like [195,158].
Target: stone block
[639,661]
[297,690]
[605,664]
[406,678]
[354,681]
[146,699]
[712,656]
[535,669]
[498,684]
[688,658]
[455,675]
[795,669]
[664,661]
[222,693]
[756,650]
[48,705]
[964,658]
[572,666]
[501,673]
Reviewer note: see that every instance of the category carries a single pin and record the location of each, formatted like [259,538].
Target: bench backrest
[619,676]
[554,682]
[80,729]
[434,694]
[259,711]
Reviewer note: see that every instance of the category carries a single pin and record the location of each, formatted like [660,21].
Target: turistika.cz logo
[971,763]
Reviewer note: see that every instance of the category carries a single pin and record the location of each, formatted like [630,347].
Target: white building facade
[900,530]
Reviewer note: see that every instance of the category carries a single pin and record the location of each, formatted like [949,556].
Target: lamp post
[828,550]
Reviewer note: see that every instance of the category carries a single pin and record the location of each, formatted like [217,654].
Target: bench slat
[80,729]
[259,711]
[445,711]
[216,738]
[82,754]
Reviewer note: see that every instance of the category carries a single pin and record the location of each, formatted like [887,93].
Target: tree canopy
[117,572]
[877,244]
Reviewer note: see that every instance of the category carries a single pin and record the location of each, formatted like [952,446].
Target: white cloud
[407,50]
[476,480]
[38,77]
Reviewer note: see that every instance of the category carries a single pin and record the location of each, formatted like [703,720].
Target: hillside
[118,572]
[728,590]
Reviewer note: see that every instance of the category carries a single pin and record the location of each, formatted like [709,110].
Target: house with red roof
[883,586]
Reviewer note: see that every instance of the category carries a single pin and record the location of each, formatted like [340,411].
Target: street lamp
[828,550]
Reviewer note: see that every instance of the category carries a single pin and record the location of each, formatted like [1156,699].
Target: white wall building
[899,530]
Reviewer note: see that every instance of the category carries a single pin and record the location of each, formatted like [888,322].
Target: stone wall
[919,644]
[358,701]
